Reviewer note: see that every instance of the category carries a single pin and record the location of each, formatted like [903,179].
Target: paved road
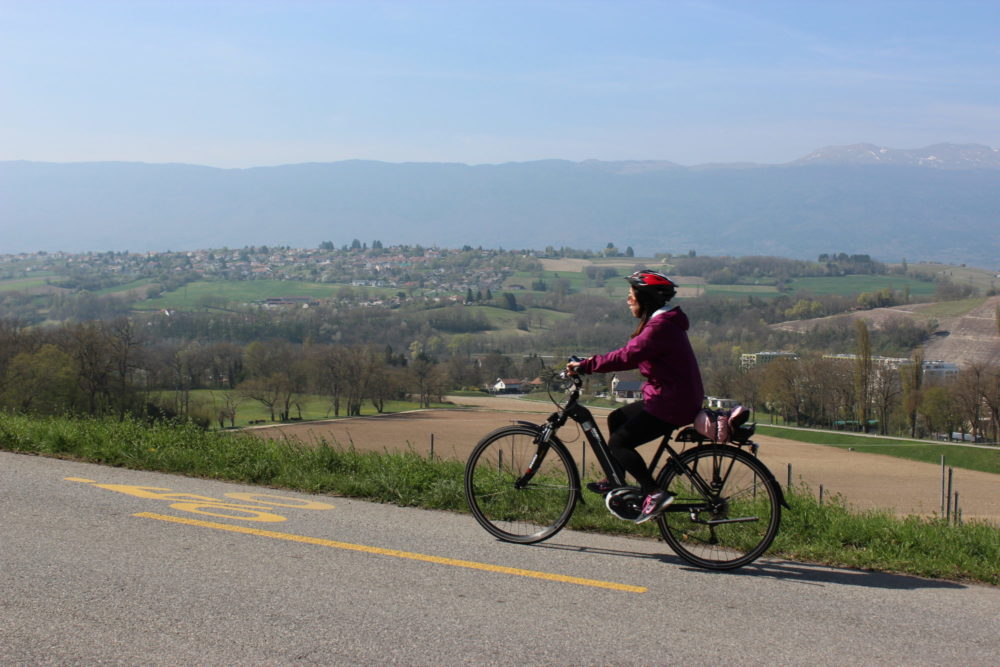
[105,565]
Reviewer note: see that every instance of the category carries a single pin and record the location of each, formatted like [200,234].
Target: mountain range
[940,203]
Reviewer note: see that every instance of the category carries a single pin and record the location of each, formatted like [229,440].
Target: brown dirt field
[569,264]
[864,480]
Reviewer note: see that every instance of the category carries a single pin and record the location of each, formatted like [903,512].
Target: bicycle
[522,485]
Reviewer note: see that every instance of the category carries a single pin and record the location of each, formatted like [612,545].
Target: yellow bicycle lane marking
[396,553]
[206,505]
[189,502]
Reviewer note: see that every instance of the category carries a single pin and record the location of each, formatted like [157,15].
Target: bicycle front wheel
[731,522]
[511,503]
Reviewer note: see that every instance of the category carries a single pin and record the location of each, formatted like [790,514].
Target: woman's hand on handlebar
[573,366]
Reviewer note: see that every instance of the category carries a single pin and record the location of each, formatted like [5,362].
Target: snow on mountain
[940,156]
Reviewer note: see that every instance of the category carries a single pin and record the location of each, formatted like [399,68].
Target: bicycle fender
[781,492]
[521,422]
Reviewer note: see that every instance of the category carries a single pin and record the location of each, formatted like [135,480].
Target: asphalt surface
[103,566]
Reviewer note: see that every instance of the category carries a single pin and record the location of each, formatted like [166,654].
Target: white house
[626,391]
[508,386]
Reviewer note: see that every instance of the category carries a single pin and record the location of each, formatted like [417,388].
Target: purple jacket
[662,352]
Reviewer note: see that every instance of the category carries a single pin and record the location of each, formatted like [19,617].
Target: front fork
[542,440]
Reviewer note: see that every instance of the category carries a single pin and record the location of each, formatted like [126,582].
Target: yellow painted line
[78,479]
[596,583]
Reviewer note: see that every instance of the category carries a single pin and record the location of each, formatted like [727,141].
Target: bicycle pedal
[625,502]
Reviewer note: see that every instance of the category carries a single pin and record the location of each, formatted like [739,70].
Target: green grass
[20,284]
[501,318]
[956,456]
[829,533]
[950,308]
[983,279]
[877,540]
[850,285]
[576,279]
[401,478]
[127,287]
[741,290]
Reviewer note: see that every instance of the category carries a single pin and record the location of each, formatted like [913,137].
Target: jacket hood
[674,315]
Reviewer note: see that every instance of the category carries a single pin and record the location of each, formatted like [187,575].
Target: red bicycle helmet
[654,279]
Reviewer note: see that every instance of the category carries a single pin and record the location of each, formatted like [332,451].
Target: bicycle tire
[744,504]
[537,510]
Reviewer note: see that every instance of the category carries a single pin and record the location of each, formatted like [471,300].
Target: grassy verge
[828,533]
[969,458]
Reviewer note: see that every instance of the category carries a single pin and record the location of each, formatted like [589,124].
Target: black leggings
[631,426]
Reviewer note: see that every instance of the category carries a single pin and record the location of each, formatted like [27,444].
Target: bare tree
[968,393]
[939,410]
[863,375]
[327,373]
[912,377]
[92,354]
[277,375]
[125,349]
[782,387]
[886,390]
[991,397]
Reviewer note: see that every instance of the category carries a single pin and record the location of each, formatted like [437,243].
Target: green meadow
[19,284]
[536,318]
[950,308]
[127,287]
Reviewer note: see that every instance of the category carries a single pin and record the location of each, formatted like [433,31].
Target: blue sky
[243,83]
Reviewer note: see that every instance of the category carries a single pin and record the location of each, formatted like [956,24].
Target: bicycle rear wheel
[735,522]
[513,505]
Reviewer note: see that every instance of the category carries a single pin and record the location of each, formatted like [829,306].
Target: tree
[385,383]
[428,381]
[885,390]
[863,375]
[264,391]
[13,341]
[971,393]
[938,408]
[226,407]
[991,398]
[277,375]
[125,350]
[912,378]
[40,382]
[226,368]
[90,349]
[328,376]
[782,387]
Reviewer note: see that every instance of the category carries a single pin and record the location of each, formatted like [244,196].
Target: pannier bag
[724,425]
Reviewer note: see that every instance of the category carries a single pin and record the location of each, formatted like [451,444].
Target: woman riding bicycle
[672,395]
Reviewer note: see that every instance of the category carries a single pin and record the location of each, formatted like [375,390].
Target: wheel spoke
[735,523]
[534,511]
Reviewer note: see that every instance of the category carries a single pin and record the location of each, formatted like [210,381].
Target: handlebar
[574,378]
